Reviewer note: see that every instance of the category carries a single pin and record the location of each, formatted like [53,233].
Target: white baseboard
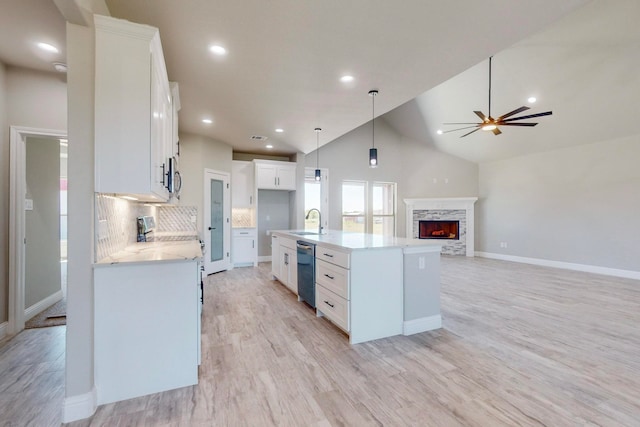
[80,406]
[627,274]
[264,258]
[4,326]
[42,305]
[423,324]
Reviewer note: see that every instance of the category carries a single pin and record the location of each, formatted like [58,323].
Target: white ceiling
[286,56]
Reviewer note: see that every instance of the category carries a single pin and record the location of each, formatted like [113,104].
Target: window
[369,209]
[315,196]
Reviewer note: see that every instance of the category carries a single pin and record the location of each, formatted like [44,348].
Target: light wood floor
[521,346]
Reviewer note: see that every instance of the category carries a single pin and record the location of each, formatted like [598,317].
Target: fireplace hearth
[439,229]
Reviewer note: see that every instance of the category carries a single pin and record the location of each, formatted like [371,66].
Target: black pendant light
[373,151]
[318,173]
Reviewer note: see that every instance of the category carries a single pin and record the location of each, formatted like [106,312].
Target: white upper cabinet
[134,112]
[242,184]
[175,103]
[273,175]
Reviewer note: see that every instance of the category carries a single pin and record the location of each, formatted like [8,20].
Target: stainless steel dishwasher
[306,272]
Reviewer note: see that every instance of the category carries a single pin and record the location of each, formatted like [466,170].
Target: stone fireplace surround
[453,208]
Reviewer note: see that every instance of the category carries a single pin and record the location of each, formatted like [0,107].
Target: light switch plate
[28,204]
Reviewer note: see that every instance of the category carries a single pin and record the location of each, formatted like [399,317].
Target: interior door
[217,224]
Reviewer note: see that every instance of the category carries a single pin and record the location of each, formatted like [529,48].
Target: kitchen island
[147,319]
[369,286]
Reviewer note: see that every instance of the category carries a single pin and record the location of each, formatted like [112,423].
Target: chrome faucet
[319,218]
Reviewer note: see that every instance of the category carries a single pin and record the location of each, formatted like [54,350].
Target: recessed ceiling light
[269,146]
[279,130]
[48,47]
[346,79]
[439,132]
[531,99]
[207,121]
[217,49]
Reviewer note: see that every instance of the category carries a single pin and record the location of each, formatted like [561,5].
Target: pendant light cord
[373,122]
[490,85]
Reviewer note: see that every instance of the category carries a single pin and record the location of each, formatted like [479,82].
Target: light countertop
[150,252]
[359,241]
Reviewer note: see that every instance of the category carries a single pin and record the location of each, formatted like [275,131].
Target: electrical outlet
[103,229]
[193,219]
[503,244]
[28,204]
[421,263]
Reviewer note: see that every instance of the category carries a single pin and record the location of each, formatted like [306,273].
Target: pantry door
[217,224]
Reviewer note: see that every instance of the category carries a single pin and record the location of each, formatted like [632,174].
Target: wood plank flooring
[521,346]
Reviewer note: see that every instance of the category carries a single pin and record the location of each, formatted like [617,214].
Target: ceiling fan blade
[475,130]
[496,131]
[481,115]
[511,113]
[518,124]
[467,127]
[530,116]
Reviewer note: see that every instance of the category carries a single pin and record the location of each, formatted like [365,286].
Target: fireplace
[439,229]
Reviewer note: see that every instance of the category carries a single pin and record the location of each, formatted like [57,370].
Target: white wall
[31,99]
[197,153]
[411,164]
[42,223]
[577,205]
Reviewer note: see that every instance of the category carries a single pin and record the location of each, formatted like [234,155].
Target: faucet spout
[319,218]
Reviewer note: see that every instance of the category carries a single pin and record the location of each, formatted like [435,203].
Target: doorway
[217,225]
[21,202]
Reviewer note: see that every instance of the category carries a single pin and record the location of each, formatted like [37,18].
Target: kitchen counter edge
[154,252]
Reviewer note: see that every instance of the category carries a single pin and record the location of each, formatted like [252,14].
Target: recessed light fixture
[531,99]
[279,130]
[439,132]
[48,47]
[346,79]
[217,49]
[207,121]
[269,146]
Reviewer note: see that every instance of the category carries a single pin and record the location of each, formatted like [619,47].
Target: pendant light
[318,173]
[373,151]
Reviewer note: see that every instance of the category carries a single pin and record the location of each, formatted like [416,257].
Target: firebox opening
[439,229]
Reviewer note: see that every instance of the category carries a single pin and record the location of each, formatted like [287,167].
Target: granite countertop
[151,252]
[359,241]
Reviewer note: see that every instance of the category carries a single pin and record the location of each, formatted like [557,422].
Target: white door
[217,224]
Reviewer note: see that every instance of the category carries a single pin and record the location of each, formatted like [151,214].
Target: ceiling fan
[488,123]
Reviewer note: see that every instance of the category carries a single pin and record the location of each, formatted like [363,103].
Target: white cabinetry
[284,261]
[133,110]
[332,286]
[242,184]
[243,249]
[146,328]
[273,175]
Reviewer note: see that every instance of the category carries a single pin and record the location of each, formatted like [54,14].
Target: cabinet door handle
[244,232]
[329,255]
[250,200]
[163,174]
[329,304]
[275,181]
[330,277]
[286,259]
[253,244]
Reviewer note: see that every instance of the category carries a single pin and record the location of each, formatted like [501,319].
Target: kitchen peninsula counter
[371,286]
[152,252]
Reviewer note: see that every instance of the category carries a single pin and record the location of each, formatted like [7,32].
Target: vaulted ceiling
[427,58]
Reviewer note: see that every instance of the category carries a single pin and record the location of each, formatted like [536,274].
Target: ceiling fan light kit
[488,123]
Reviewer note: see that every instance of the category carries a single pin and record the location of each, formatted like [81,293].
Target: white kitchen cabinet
[243,247]
[146,325]
[242,185]
[274,175]
[275,256]
[175,103]
[284,262]
[133,110]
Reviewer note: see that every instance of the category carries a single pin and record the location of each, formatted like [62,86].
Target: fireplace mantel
[444,204]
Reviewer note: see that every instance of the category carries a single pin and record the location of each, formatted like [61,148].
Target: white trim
[79,406]
[17,191]
[266,258]
[423,324]
[42,305]
[3,329]
[627,274]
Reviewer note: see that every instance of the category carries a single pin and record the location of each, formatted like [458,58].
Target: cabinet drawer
[332,256]
[244,232]
[332,277]
[333,307]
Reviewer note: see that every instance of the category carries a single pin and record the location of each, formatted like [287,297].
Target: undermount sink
[305,233]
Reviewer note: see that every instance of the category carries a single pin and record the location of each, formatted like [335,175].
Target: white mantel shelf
[446,203]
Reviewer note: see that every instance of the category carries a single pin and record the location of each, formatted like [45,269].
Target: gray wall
[196,154]
[273,214]
[411,164]
[30,99]
[577,205]
[42,224]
